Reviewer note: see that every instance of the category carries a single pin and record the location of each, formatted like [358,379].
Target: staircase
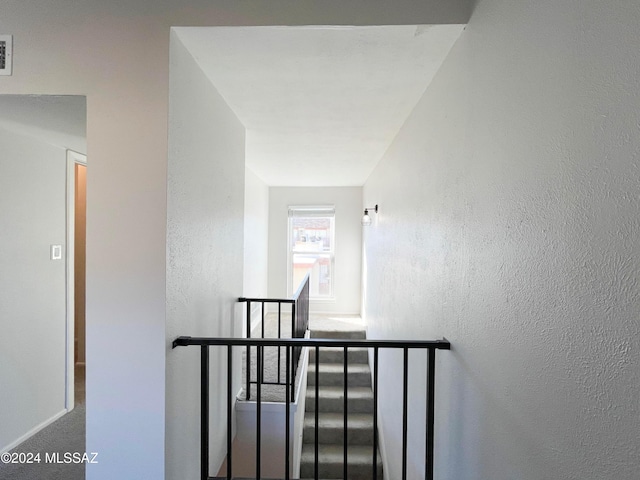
[330,406]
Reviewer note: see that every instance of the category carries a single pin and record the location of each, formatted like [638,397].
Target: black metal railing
[317,344]
[299,303]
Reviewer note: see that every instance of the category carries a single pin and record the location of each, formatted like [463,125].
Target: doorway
[76,277]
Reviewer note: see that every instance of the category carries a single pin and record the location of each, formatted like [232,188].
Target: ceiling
[56,119]
[320,104]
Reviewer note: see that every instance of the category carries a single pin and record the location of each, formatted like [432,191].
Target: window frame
[319,210]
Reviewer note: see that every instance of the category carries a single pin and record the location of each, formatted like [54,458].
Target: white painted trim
[73,158]
[33,431]
[298,424]
[256,315]
[383,449]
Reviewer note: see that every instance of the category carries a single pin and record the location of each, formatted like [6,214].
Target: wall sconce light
[366,219]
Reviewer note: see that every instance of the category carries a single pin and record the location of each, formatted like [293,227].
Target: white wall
[509,224]
[348,238]
[116,53]
[204,254]
[256,235]
[55,119]
[256,244]
[32,287]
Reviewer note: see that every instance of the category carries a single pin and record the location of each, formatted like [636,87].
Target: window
[311,249]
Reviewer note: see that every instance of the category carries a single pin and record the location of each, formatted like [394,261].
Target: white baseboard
[383,450]
[33,431]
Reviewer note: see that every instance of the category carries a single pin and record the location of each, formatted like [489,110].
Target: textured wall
[205,213]
[509,224]
[348,242]
[256,235]
[32,287]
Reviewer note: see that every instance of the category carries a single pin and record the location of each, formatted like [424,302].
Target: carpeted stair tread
[331,427]
[330,458]
[331,399]
[336,355]
[340,334]
[332,374]
[331,435]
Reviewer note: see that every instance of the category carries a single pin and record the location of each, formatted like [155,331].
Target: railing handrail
[291,344]
[293,298]
[442,344]
[266,300]
[299,325]
[297,293]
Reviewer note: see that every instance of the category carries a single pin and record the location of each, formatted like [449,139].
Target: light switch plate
[56,252]
[6,54]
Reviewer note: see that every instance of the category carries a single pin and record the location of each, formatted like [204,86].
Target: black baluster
[315,467]
[287,412]
[375,413]
[431,380]
[229,410]
[248,352]
[259,412]
[204,412]
[405,386]
[344,453]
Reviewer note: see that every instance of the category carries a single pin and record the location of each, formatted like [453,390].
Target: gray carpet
[270,393]
[67,434]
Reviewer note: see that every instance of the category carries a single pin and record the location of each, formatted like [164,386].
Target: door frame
[73,159]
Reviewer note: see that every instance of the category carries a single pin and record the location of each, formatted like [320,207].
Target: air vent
[6,44]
